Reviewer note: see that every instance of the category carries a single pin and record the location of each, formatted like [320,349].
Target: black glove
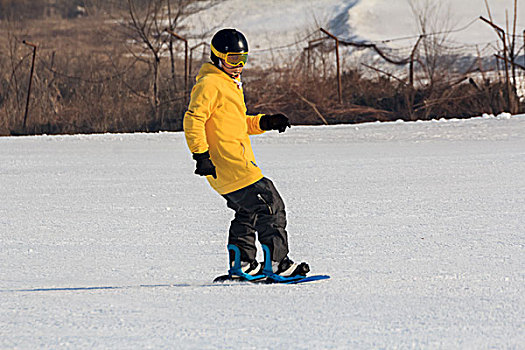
[274,122]
[204,164]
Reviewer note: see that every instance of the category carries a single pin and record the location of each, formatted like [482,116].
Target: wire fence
[317,48]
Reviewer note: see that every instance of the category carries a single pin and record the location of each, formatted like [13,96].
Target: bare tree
[434,23]
[146,28]
[148,23]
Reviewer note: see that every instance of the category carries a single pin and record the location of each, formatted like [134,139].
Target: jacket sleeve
[202,105]
[253,124]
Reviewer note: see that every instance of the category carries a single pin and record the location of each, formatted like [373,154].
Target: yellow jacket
[216,121]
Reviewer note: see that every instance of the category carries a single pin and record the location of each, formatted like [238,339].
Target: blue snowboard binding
[275,278]
[235,273]
[266,275]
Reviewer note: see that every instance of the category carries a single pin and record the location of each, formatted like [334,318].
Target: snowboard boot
[243,270]
[251,268]
[287,268]
[284,270]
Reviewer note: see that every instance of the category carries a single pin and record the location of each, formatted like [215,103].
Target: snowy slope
[378,20]
[419,224]
[285,25]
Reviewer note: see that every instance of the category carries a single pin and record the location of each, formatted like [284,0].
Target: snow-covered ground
[276,25]
[420,225]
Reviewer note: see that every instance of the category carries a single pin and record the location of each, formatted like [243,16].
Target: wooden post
[308,61]
[339,84]
[30,80]
[501,34]
[312,44]
[411,67]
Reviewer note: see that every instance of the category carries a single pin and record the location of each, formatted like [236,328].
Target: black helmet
[229,41]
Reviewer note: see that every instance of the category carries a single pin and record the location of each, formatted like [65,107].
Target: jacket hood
[210,69]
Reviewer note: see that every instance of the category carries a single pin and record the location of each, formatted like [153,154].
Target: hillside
[277,24]
[102,72]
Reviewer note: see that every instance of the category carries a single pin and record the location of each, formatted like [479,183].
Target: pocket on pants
[266,203]
[269,195]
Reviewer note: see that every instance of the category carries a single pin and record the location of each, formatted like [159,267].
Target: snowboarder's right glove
[274,122]
[204,164]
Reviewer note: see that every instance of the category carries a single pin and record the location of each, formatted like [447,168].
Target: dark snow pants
[258,208]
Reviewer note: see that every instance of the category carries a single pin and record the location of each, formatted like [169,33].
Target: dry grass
[86,81]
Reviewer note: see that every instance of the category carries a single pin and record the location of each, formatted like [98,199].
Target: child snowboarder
[216,127]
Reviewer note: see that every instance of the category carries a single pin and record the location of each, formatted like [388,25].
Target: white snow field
[274,27]
[111,241]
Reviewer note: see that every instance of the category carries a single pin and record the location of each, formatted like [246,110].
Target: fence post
[339,85]
[412,54]
[312,44]
[501,33]
[30,80]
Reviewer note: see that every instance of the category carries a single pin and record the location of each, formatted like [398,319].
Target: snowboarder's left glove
[204,164]
[274,122]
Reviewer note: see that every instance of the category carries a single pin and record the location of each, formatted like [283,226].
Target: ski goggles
[232,58]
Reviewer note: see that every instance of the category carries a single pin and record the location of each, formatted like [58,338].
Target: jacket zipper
[265,202]
[244,154]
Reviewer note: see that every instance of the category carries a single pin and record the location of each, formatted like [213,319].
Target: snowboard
[268,280]
[235,274]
